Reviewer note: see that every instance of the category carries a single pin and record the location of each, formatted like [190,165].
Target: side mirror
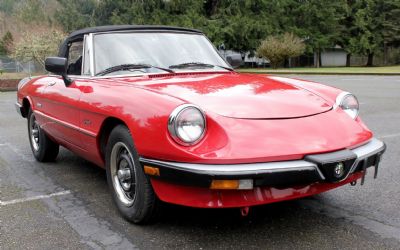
[58,66]
[235,60]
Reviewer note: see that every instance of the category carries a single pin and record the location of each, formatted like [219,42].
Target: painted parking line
[38,197]
[351,79]
[390,136]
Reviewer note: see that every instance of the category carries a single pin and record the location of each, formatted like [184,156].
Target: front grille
[334,166]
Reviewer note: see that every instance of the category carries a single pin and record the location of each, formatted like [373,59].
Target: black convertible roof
[79,34]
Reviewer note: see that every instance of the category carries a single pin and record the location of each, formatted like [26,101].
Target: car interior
[75,58]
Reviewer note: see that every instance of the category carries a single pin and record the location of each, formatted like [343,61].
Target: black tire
[133,195]
[43,148]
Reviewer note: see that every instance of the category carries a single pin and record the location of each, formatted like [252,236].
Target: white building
[332,57]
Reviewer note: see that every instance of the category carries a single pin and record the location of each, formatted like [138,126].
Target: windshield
[158,49]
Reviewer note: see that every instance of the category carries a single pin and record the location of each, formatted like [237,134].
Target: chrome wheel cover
[34,133]
[123,174]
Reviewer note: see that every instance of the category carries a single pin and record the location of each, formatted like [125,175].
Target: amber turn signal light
[151,170]
[232,184]
[224,184]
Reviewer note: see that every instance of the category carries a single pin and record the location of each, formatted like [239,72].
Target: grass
[7,76]
[327,70]
[395,70]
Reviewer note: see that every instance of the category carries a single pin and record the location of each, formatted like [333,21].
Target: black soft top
[79,34]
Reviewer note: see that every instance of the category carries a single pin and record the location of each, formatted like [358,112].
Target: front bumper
[20,109]
[334,167]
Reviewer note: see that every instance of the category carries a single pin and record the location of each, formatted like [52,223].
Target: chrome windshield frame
[89,45]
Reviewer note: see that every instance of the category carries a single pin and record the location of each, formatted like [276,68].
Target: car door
[61,103]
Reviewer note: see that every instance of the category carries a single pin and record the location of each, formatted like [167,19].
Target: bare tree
[36,46]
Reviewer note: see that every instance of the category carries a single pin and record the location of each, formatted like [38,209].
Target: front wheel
[43,148]
[130,187]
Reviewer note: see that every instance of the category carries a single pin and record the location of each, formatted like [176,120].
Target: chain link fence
[9,65]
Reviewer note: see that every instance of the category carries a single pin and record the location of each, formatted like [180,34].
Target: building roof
[79,34]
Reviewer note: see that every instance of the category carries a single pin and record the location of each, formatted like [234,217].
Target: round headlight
[349,103]
[187,124]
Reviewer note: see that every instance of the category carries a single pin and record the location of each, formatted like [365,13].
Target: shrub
[280,47]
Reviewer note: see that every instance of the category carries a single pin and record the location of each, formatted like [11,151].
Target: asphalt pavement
[66,204]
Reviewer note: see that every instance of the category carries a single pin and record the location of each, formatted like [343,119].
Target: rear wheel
[43,148]
[130,187]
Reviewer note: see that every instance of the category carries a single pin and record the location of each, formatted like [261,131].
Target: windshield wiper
[197,65]
[129,67]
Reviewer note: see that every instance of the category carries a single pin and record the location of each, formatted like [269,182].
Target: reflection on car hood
[241,95]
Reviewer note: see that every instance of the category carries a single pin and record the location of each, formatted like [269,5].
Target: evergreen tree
[358,26]
[76,14]
[6,44]
[368,25]
[7,6]
[318,22]
[391,25]
[347,30]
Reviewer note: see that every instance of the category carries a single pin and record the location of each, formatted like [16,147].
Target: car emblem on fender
[339,170]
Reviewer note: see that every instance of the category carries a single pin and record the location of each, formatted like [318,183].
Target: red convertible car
[170,120]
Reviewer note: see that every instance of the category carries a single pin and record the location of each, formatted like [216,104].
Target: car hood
[241,95]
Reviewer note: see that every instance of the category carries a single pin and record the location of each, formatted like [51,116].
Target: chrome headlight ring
[187,124]
[348,103]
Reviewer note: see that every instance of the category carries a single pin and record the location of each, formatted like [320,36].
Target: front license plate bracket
[376,165]
[376,168]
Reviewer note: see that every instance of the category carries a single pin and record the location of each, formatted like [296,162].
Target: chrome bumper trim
[240,169]
[18,107]
[374,146]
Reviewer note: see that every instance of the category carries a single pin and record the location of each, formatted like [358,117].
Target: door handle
[51,83]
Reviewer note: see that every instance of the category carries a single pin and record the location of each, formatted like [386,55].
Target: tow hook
[244,211]
[353,183]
